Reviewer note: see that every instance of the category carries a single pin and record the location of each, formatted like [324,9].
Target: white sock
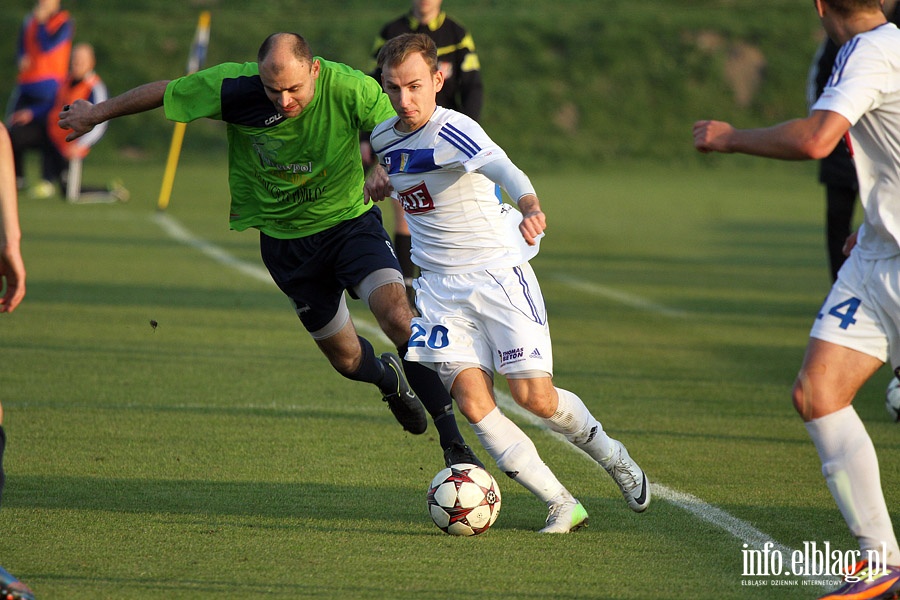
[850,466]
[516,455]
[575,422]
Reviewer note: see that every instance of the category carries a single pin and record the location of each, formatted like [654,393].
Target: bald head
[288,72]
[279,47]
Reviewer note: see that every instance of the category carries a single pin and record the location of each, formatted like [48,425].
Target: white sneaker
[42,190]
[629,477]
[565,516]
[118,191]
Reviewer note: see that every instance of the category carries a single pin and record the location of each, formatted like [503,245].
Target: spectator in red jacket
[43,53]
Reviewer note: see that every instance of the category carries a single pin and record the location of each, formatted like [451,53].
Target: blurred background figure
[457,60]
[64,158]
[463,91]
[836,171]
[43,53]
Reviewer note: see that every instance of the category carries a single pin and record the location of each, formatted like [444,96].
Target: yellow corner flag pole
[195,63]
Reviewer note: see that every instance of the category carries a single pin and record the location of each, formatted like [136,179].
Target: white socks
[850,467]
[575,422]
[516,455]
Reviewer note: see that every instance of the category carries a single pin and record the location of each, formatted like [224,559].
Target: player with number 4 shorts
[860,312]
[856,330]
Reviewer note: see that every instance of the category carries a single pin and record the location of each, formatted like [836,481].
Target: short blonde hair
[398,49]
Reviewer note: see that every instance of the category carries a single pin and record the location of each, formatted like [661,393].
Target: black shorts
[314,271]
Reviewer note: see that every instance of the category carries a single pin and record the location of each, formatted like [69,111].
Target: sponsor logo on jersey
[535,354]
[268,148]
[416,200]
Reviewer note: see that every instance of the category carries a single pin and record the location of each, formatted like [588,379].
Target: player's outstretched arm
[81,116]
[12,269]
[800,139]
[713,136]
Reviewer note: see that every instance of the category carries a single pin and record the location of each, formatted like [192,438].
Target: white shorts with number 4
[493,318]
[862,311]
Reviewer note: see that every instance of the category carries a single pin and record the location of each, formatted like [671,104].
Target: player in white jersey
[858,327]
[480,303]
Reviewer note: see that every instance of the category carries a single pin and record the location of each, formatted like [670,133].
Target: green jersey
[289,177]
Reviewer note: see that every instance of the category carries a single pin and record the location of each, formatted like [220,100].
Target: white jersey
[865,89]
[456,216]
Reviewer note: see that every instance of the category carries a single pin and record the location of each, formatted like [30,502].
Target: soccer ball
[463,499]
[892,399]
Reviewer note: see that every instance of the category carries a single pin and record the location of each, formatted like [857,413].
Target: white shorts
[495,319]
[862,311]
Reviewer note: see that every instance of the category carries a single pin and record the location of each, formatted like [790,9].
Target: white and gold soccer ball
[463,499]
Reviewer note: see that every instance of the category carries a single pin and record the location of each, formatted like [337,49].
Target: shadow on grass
[313,506]
[329,587]
[157,587]
[154,295]
[190,497]
[320,504]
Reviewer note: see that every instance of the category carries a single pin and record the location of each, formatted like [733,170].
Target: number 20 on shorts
[435,339]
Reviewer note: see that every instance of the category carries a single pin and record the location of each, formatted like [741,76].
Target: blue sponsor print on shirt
[404,160]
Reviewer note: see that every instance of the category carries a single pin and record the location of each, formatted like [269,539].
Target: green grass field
[218,455]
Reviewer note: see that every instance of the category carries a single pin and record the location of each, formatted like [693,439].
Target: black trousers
[33,136]
[838,218]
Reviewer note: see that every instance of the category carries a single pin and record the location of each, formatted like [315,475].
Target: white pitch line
[632,300]
[707,512]
[179,233]
[743,531]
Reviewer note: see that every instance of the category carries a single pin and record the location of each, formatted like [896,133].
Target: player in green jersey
[295,174]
